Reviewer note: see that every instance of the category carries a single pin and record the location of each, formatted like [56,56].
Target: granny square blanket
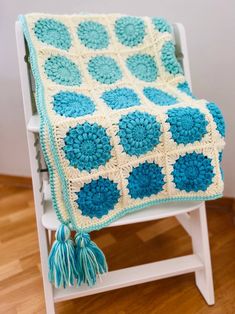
[120,128]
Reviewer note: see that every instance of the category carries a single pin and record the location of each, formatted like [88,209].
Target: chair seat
[50,221]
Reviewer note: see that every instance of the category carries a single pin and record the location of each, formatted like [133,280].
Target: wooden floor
[21,284]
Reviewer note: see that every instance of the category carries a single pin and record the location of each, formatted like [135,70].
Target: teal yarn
[217,117]
[145,180]
[71,104]
[184,88]
[62,71]
[193,172]
[53,32]
[139,132]
[93,35]
[97,198]
[87,146]
[120,98]
[90,260]
[220,161]
[161,25]
[62,270]
[159,97]
[220,156]
[143,67]
[169,60]
[187,125]
[130,30]
[104,69]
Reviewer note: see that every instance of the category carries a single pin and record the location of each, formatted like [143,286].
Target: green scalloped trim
[45,122]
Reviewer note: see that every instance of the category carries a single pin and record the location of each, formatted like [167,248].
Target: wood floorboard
[21,290]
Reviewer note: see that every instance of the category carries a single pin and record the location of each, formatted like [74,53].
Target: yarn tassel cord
[75,262]
[62,270]
[90,260]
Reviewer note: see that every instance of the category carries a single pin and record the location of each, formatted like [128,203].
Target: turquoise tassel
[62,270]
[90,260]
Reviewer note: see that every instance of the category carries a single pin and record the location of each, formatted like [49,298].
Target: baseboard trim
[15,181]
[223,202]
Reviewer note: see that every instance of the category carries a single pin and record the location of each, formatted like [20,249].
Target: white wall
[210,26]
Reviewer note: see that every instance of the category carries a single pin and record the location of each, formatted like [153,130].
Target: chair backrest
[182,50]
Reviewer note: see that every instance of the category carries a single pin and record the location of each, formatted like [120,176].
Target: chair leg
[48,289]
[49,237]
[200,241]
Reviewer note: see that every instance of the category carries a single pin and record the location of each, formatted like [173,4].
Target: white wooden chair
[191,215]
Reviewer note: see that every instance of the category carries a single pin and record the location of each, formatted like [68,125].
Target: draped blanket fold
[120,128]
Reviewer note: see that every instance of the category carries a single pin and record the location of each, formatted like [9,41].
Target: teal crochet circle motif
[143,67]
[71,104]
[87,146]
[169,60]
[93,35]
[104,69]
[159,97]
[187,125]
[97,198]
[145,180]
[62,71]
[53,32]
[161,25]
[193,172]
[139,133]
[218,117]
[130,30]
[120,98]
[184,88]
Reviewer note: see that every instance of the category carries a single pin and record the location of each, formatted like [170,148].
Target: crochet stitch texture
[139,132]
[187,125]
[159,97]
[98,197]
[120,98]
[189,172]
[120,129]
[93,35]
[143,67]
[53,33]
[104,69]
[63,71]
[71,104]
[130,30]
[145,180]
[218,118]
[87,146]
[161,25]
[169,60]
[184,87]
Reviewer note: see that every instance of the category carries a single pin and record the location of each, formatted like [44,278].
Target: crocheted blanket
[120,128]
